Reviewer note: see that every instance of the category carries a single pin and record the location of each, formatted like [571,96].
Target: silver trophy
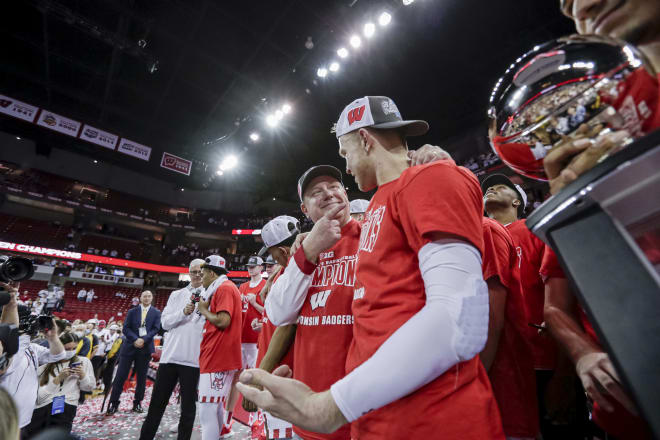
[572,87]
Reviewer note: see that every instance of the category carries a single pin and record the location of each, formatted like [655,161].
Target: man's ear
[366,139]
[516,202]
[303,208]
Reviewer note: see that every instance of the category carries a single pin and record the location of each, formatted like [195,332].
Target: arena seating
[138,251]
[35,232]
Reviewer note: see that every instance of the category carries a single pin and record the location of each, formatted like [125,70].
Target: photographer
[60,384]
[19,375]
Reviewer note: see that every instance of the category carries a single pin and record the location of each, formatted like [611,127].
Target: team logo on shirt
[371,228]
[319,299]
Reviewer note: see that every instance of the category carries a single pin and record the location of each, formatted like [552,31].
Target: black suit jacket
[131,330]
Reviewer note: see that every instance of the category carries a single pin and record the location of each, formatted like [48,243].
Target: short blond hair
[195,262]
[8,417]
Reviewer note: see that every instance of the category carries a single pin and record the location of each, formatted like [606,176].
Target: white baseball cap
[215,262]
[278,230]
[359,206]
[378,112]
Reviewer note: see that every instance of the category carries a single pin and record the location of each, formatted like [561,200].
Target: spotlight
[254,137]
[273,198]
[228,163]
[355,41]
[369,30]
[181,189]
[384,19]
[279,115]
[271,120]
[342,52]
[407,2]
[322,72]
[18,138]
[219,173]
[96,161]
[286,108]
[334,66]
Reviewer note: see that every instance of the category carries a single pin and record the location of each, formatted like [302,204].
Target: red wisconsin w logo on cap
[355,114]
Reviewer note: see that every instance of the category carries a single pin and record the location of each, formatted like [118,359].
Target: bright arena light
[254,137]
[279,115]
[322,72]
[355,41]
[342,52]
[219,172]
[228,163]
[369,30]
[407,2]
[271,120]
[286,108]
[384,19]
[334,66]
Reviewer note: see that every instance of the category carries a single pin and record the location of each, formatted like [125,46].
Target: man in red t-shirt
[220,350]
[418,274]
[508,353]
[316,288]
[253,308]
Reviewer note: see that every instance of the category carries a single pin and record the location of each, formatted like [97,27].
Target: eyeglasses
[195,272]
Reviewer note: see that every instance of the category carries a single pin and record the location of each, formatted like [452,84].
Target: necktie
[144,315]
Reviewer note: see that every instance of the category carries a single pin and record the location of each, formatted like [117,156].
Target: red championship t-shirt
[325,321]
[620,423]
[249,336]
[512,373]
[529,251]
[266,334]
[389,290]
[220,350]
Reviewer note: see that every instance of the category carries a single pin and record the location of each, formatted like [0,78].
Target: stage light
[286,108]
[355,41]
[271,120]
[369,30]
[228,163]
[407,2]
[96,161]
[273,198]
[322,72]
[254,137]
[384,19]
[279,115]
[334,66]
[18,138]
[181,189]
[219,173]
[342,52]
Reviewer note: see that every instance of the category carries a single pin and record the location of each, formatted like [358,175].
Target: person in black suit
[141,325]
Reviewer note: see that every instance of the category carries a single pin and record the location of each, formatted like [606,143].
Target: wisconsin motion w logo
[355,114]
[319,299]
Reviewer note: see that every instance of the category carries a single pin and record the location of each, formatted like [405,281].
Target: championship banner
[14,107]
[58,123]
[134,149]
[246,232]
[176,164]
[99,137]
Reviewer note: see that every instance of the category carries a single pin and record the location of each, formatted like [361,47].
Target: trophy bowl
[579,86]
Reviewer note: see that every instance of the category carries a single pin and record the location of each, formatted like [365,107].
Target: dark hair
[65,338]
[289,241]
[216,270]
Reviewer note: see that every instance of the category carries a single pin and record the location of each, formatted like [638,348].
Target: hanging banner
[176,164]
[99,137]
[14,107]
[58,123]
[134,149]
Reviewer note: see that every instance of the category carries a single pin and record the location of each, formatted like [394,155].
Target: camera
[15,268]
[33,324]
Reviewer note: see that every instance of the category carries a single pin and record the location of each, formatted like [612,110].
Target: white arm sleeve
[455,315]
[173,315]
[287,294]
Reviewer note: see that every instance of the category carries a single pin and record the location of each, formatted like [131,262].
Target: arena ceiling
[195,78]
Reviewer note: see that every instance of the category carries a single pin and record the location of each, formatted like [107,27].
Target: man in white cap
[220,349]
[358,208]
[418,275]
[179,361]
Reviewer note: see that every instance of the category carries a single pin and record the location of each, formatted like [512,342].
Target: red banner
[176,164]
[246,232]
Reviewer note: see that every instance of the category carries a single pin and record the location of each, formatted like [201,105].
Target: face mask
[70,354]
[88,331]
[80,334]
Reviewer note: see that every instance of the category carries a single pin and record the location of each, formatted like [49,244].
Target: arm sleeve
[154,329]
[287,295]
[130,334]
[173,315]
[455,313]
[44,356]
[87,384]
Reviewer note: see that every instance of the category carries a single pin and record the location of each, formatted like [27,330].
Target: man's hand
[13,294]
[251,298]
[203,306]
[256,324]
[248,405]
[577,154]
[139,343]
[426,154]
[601,382]
[52,333]
[291,400]
[188,309]
[325,233]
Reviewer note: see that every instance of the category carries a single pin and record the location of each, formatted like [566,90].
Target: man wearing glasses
[180,358]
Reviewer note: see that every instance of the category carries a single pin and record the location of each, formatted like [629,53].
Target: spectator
[135,301]
[113,253]
[90,295]
[127,255]
[8,417]
[104,252]
[60,384]
[82,294]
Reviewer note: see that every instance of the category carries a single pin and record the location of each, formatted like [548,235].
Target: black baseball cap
[314,172]
[377,112]
[501,179]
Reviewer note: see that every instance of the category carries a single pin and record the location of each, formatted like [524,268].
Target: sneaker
[226,431]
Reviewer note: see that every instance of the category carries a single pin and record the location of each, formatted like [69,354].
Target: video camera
[13,269]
